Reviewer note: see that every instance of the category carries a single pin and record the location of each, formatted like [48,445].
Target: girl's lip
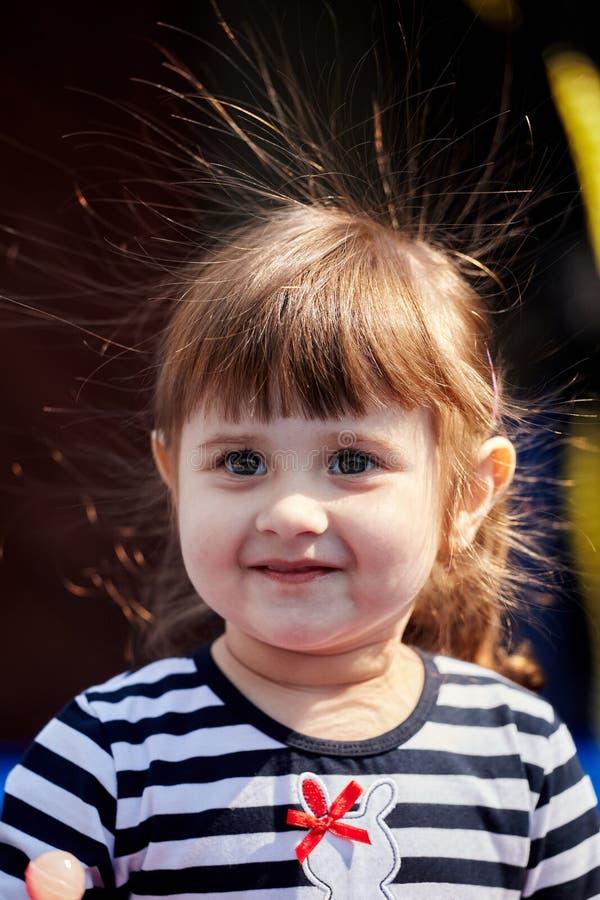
[294,571]
[288,565]
[294,574]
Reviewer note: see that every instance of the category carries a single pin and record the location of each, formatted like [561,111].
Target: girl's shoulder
[470,686]
[150,674]
[494,715]
[173,684]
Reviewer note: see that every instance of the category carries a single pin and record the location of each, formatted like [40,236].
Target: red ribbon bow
[324,820]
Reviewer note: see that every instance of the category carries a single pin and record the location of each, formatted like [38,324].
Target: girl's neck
[354,695]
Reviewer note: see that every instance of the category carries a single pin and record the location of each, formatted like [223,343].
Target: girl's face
[309,535]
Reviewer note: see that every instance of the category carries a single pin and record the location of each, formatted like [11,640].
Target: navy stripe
[560,779]
[420,869]
[273,762]
[200,770]
[247,820]
[280,761]
[422,762]
[121,893]
[173,723]
[481,677]
[564,838]
[472,818]
[13,861]
[80,720]
[210,823]
[586,886]
[152,690]
[493,717]
[247,876]
[77,781]
[52,831]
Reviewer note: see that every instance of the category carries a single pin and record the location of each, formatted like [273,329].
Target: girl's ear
[493,473]
[162,458]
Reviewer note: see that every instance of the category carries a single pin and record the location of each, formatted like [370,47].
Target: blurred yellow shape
[583,472]
[575,85]
[497,13]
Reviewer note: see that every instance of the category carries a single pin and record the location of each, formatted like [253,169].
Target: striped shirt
[167,782]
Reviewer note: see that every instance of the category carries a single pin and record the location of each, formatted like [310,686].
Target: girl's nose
[292,515]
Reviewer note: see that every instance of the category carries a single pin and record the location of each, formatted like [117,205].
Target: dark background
[53,643]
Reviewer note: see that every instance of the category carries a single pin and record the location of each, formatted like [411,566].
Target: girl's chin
[299,640]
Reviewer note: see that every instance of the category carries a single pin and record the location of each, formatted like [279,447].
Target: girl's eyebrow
[343,437]
[231,437]
[347,437]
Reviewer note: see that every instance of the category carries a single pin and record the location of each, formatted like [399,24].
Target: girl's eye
[352,462]
[244,462]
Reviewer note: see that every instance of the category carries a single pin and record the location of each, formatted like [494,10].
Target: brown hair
[317,311]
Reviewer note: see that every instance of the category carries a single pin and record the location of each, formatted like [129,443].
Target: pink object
[55,875]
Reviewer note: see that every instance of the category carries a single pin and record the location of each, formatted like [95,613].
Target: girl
[328,427]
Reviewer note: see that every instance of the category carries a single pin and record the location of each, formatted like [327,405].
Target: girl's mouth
[294,575]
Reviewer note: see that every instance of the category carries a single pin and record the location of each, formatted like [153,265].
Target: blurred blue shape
[589,754]
[10,754]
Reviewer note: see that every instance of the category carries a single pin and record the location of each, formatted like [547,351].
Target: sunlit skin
[312,539]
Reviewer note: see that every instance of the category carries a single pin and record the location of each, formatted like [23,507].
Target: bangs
[315,313]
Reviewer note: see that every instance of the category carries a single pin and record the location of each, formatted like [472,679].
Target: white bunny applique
[347,854]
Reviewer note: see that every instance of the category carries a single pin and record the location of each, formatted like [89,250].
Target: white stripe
[229,793]
[561,746]
[266,847]
[447,665]
[489,696]
[563,867]
[81,750]
[563,808]
[149,674]
[203,742]
[248,792]
[462,843]
[14,889]
[473,740]
[31,846]
[295,893]
[433,891]
[55,801]
[214,850]
[136,707]
[464,790]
